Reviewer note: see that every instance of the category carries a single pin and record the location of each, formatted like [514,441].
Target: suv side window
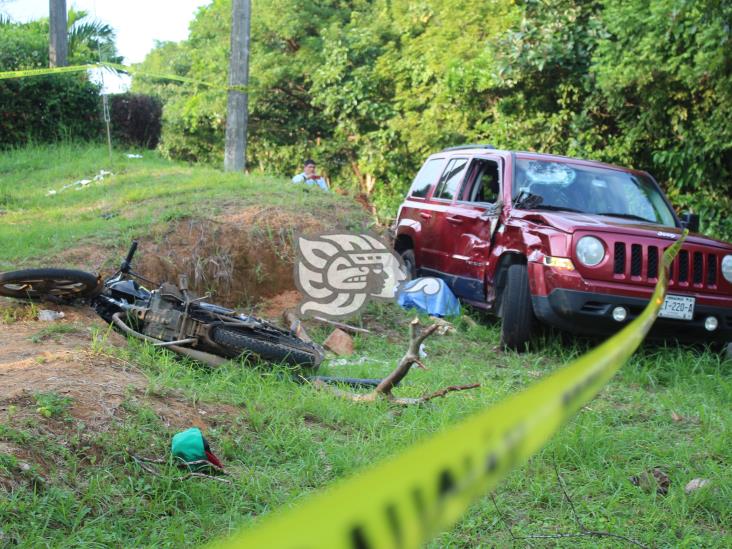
[425,177]
[482,183]
[451,179]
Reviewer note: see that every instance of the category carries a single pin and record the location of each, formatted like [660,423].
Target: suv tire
[517,318]
[410,263]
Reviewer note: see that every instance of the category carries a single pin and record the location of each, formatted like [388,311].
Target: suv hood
[570,222]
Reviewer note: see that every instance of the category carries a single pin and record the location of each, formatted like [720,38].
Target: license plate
[677,306]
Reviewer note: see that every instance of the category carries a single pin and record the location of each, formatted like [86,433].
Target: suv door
[472,219]
[437,246]
[417,210]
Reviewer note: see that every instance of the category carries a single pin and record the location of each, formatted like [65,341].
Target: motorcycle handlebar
[126,264]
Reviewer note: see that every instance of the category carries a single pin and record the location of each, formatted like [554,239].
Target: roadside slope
[76,400]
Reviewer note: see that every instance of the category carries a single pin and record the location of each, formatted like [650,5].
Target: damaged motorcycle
[168,316]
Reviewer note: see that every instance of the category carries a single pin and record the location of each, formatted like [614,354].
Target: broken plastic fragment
[48,315]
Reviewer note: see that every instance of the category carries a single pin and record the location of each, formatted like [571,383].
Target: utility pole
[237,115]
[58,41]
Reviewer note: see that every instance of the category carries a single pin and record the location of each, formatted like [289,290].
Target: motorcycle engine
[164,318]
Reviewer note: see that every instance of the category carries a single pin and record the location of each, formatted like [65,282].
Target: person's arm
[323,184]
[299,178]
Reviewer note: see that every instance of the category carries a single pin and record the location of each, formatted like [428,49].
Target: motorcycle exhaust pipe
[200,356]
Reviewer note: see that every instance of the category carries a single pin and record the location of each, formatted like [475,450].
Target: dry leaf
[653,478]
[676,417]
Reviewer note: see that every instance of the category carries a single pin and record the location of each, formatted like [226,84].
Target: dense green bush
[47,109]
[50,108]
[136,119]
[370,88]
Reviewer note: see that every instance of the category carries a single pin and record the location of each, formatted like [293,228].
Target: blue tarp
[429,295]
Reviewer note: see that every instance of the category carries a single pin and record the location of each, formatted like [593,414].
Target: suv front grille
[711,269]
[691,267]
[683,272]
[619,258]
[652,261]
[698,267]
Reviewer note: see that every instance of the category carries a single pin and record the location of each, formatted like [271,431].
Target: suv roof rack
[469,146]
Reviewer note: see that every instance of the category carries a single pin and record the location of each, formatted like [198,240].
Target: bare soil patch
[65,365]
[273,307]
[97,384]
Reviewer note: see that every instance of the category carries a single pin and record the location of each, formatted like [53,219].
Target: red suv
[574,244]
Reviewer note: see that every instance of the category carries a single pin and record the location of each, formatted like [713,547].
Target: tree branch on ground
[583,530]
[410,358]
[143,461]
[342,326]
[296,326]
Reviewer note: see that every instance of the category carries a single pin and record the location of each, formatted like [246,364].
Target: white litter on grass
[362,360]
[695,484]
[133,155]
[82,183]
[48,315]
[101,175]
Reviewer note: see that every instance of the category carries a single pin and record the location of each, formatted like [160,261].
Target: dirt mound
[240,258]
[273,307]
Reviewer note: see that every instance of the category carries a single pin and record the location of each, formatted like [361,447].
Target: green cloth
[188,445]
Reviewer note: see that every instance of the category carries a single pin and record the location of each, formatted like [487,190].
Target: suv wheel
[518,321]
[410,263]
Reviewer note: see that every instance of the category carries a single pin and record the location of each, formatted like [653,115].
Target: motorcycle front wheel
[64,284]
[278,348]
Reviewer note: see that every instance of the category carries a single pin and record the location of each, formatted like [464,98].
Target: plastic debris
[48,316]
[130,155]
[355,362]
[429,295]
[101,175]
[695,484]
[82,183]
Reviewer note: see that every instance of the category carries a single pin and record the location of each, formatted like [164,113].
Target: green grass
[52,404]
[281,440]
[53,332]
[141,193]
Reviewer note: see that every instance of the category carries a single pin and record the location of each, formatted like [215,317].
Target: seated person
[309,177]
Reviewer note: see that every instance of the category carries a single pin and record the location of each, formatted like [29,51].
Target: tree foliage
[370,87]
[50,108]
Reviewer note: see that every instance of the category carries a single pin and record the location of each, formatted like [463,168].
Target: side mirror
[690,221]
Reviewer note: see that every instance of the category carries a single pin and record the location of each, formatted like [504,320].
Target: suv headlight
[727,268]
[590,251]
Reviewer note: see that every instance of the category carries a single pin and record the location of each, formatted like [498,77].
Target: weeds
[17,311]
[51,405]
[54,331]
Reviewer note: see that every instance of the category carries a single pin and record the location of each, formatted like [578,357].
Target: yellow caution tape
[115,67]
[42,72]
[406,500]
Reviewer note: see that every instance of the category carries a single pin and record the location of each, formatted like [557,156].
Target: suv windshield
[551,185]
